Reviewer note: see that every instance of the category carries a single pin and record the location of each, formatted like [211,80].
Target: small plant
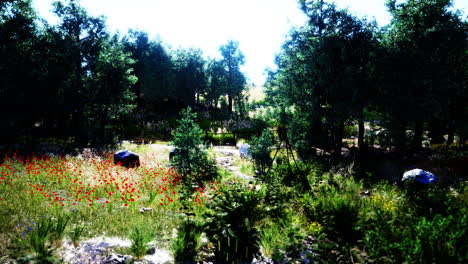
[140,240]
[187,243]
[336,204]
[39,237]
[233,219]
[39,242]
[438,240]
[288,250]
[270,238]
[76,234]
[58,228]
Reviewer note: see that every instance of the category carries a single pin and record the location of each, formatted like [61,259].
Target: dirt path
[227,160]
[225,157]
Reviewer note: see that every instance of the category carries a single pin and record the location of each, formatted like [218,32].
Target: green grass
[89,192]
[46,200]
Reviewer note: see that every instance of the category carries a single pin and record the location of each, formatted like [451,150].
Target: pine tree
[190,158]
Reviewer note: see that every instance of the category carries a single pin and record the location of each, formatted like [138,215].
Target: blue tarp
[126,158]
[421,176]
[124,154]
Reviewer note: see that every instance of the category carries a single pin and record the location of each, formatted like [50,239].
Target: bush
[42,238]
[293,174]
[440,240]
[335,203]
[187,243]
[254,127]
[232,223]
[290,250]
[350,131]
[260,150]
[219,139]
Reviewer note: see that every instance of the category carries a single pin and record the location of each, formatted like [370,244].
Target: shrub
[350,130]
[41,244]
[76,233]
[187,243]
[293,174]
[290,250]
[270,238]
[438,240]
[260,151]
[232,223]
[335,203]
[39,239]
[219,139]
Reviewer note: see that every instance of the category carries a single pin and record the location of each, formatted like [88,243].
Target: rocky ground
[102,250]
[225,159]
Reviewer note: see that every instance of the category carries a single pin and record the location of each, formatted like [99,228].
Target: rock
[127,159]
[151,251]
[365,193]
[116,259]
[172,153]
[244,151]
[143,210]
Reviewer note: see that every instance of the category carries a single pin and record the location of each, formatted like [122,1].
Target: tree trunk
[398,133]
[316,135]
[230,103]
[102,128]
[418,134]
[338,140]
[436,132]
[77,114]
[451,133]
[361,130]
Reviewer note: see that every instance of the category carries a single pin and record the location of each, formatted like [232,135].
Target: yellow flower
[388,205]
[315,227]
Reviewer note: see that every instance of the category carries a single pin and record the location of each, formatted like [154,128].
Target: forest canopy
[405,79]
[79,83]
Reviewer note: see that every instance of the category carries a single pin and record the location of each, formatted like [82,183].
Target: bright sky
[260,26]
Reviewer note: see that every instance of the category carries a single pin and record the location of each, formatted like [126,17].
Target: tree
[427,49]
[154,69]
[324,71]
[19,70]
[190,158]
[109,97]
[232,60]
[83,36]
[190,75]
[217,82]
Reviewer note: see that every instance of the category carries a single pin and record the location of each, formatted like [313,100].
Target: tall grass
[298,213]
[187,242]
[85,189]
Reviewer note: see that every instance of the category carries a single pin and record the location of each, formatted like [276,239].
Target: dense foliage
[74,82]
[190,158]
[337,77]
[410,75]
